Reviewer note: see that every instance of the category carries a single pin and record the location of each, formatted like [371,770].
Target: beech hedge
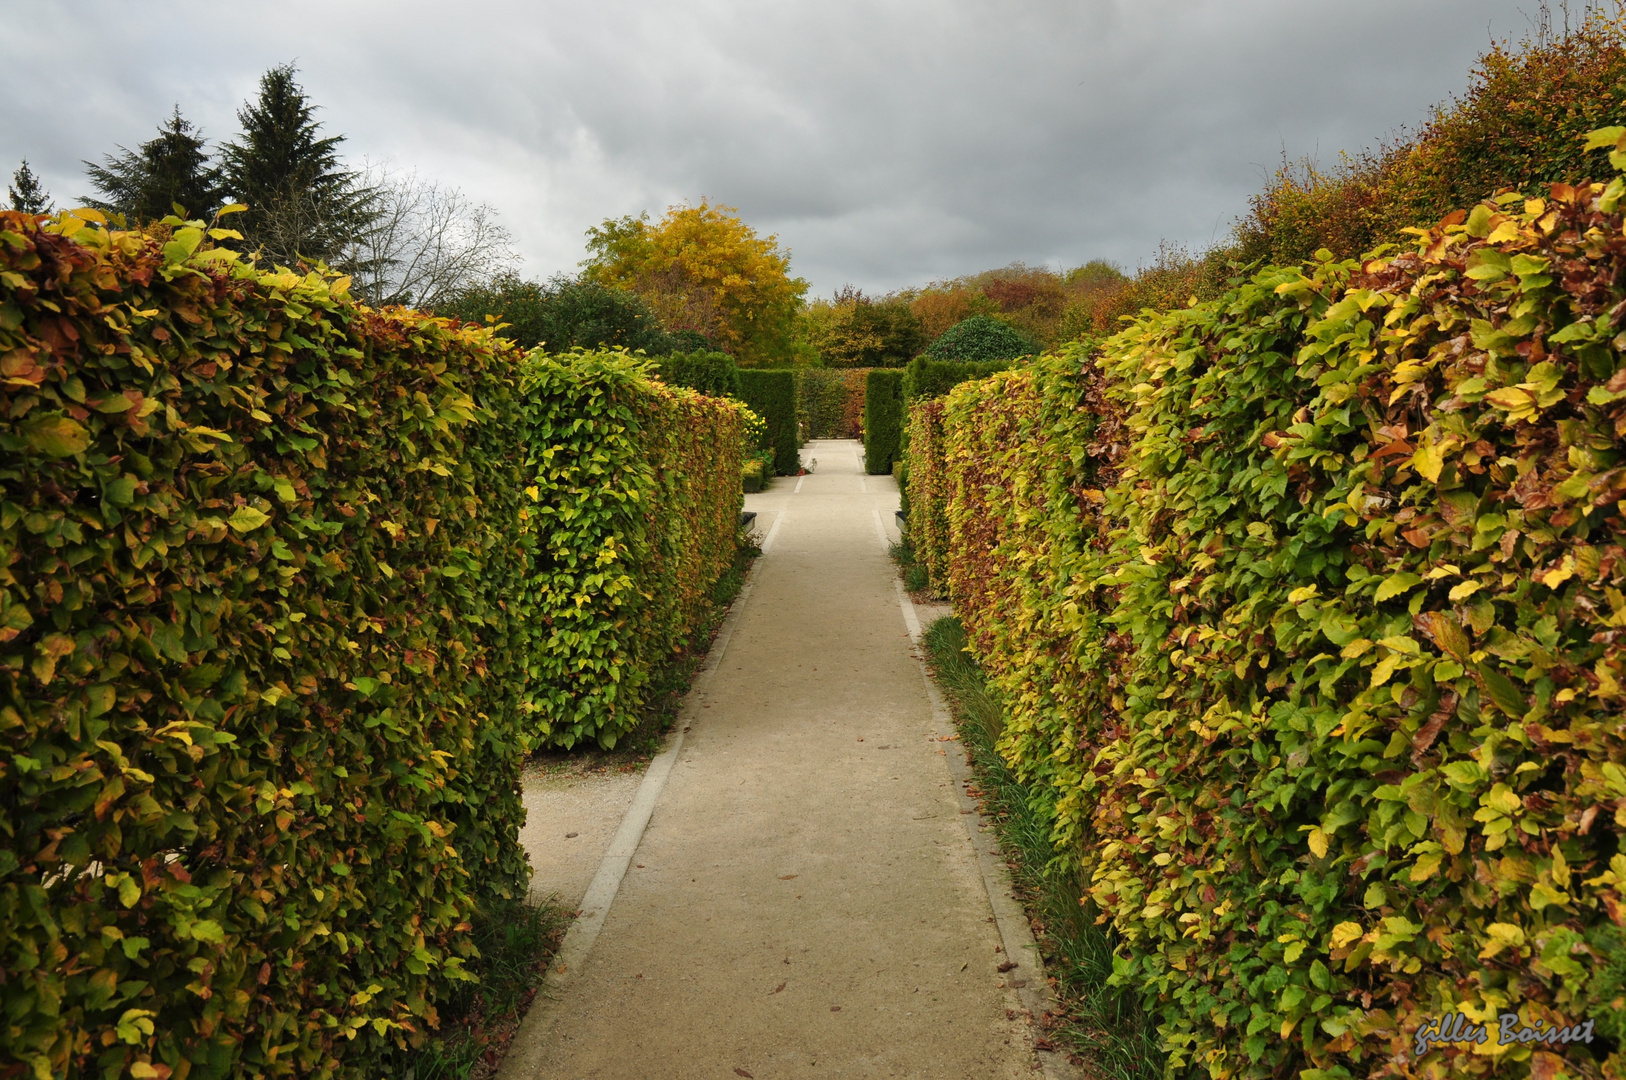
[634,504]
[258,689]
[1305,604]
[286,585]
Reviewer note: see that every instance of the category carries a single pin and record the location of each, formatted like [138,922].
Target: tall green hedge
[771,394]
[259,725]
[634,506]
[712,373]
[883,419]
[928,378]
[287,589]
[1304,604]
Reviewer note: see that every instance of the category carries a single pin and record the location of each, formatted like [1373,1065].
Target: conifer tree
[303,204]
[147,183]
[27,195]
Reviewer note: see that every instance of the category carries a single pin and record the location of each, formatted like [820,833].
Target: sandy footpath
[806,900]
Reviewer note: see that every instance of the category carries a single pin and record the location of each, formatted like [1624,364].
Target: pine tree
[303,205]
[148,183]
[26,193]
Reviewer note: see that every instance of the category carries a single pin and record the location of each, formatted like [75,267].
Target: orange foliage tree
[701,268]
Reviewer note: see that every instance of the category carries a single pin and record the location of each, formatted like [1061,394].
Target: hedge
[1303,603]
[928,378]
[980,340]
[258,689]
[288,587]
[883,419]
[712,373]
[635,500]
[771,394]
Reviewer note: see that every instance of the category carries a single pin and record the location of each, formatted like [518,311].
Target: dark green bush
[564,314]
[928,378]
[979,340]
[712,373]
[883,419]
[259,725]
[771,394]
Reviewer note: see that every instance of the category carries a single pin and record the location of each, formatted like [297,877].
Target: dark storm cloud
[885,143]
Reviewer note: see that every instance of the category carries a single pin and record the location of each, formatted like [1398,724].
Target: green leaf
[207,930]
[1396,584]
[246,519]
[1502,692]
[55,435]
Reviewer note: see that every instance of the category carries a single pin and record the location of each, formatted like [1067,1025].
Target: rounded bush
[980,339]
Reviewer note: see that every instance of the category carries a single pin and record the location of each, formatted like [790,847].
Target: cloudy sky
[886,143]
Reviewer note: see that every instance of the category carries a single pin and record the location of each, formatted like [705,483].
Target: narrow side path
[806,900]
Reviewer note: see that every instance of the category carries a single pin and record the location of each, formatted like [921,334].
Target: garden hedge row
[771,394]
[272,567]
[712,373]
[258,693]
[928,378]
[831,401]
[635,502]
[1306,604]
[883,419]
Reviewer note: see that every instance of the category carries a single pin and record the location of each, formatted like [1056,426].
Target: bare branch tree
[426,242]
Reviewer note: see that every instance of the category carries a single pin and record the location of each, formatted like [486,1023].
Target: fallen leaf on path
[1008,965]
[835,1008]
[965,965]
[787,877]
[742,1072]
[776,989]
[571,835]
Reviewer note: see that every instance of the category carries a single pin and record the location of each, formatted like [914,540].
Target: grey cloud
[886,143]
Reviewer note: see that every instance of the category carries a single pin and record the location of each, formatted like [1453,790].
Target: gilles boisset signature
[1454,1028]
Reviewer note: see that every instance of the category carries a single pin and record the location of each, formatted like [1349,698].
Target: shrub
[258,687]
[635,499]
[711,373]
[771,394]
[1520,126]
[831,402]
[1301,604]
[883,419]
[565,314]
[928,378]
[980,340]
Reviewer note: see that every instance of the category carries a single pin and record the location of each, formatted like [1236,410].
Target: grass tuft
[1103,1026]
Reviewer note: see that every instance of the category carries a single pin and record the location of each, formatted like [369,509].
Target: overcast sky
[886,143]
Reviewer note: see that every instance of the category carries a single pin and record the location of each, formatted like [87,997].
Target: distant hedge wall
[1303,603]
[883,419]
[259,725]
[928,378]
[924,496]
[634,504]
[771,394]
[712,373]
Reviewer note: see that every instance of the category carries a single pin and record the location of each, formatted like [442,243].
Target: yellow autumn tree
[702,269]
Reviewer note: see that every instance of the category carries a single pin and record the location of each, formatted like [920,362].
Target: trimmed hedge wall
[635,501]
[771,394]
[883,419]
[1303,603]
[258,690]
[831,401]
[928,378]
[287,589]
[712,373]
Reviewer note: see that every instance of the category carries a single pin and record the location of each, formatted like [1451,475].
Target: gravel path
[806,900]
